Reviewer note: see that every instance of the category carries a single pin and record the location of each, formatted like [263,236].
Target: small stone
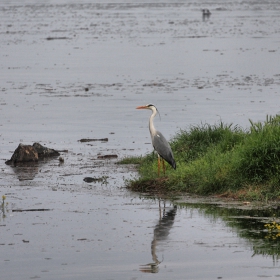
[61,159]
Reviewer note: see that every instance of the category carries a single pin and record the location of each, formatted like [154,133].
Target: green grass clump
[220,159]
[130,160]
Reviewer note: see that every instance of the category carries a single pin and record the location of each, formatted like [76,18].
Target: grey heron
[160,144]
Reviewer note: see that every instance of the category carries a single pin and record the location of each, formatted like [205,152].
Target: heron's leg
[158,165]
[163,166]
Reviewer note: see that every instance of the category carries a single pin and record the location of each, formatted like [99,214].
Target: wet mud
[71,77]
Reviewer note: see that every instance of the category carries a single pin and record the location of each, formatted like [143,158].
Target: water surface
[77,70]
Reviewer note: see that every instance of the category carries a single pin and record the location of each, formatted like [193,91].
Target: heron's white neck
[151,122]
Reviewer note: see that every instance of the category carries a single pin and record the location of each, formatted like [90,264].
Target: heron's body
[160,144]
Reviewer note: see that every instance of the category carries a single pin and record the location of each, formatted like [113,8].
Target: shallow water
[70,71]
[119,236]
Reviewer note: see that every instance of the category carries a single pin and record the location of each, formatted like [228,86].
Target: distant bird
[160,144]
[205,14]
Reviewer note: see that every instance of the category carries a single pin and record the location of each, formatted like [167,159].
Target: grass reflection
[260,228]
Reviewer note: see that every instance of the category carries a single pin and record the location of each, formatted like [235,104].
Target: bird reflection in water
[161,232]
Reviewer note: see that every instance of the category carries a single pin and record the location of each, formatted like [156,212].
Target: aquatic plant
[273,230]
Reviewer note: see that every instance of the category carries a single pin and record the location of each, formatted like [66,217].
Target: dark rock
[28,153]
[92,179]
[44,151]
[23,153]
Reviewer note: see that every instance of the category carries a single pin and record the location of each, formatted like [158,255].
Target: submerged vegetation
[219,159]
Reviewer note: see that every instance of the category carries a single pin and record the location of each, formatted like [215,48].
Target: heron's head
[148,106]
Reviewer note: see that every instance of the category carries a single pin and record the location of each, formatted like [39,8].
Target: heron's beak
[141,107]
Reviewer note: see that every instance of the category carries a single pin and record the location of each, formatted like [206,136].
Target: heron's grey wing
[163,148]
